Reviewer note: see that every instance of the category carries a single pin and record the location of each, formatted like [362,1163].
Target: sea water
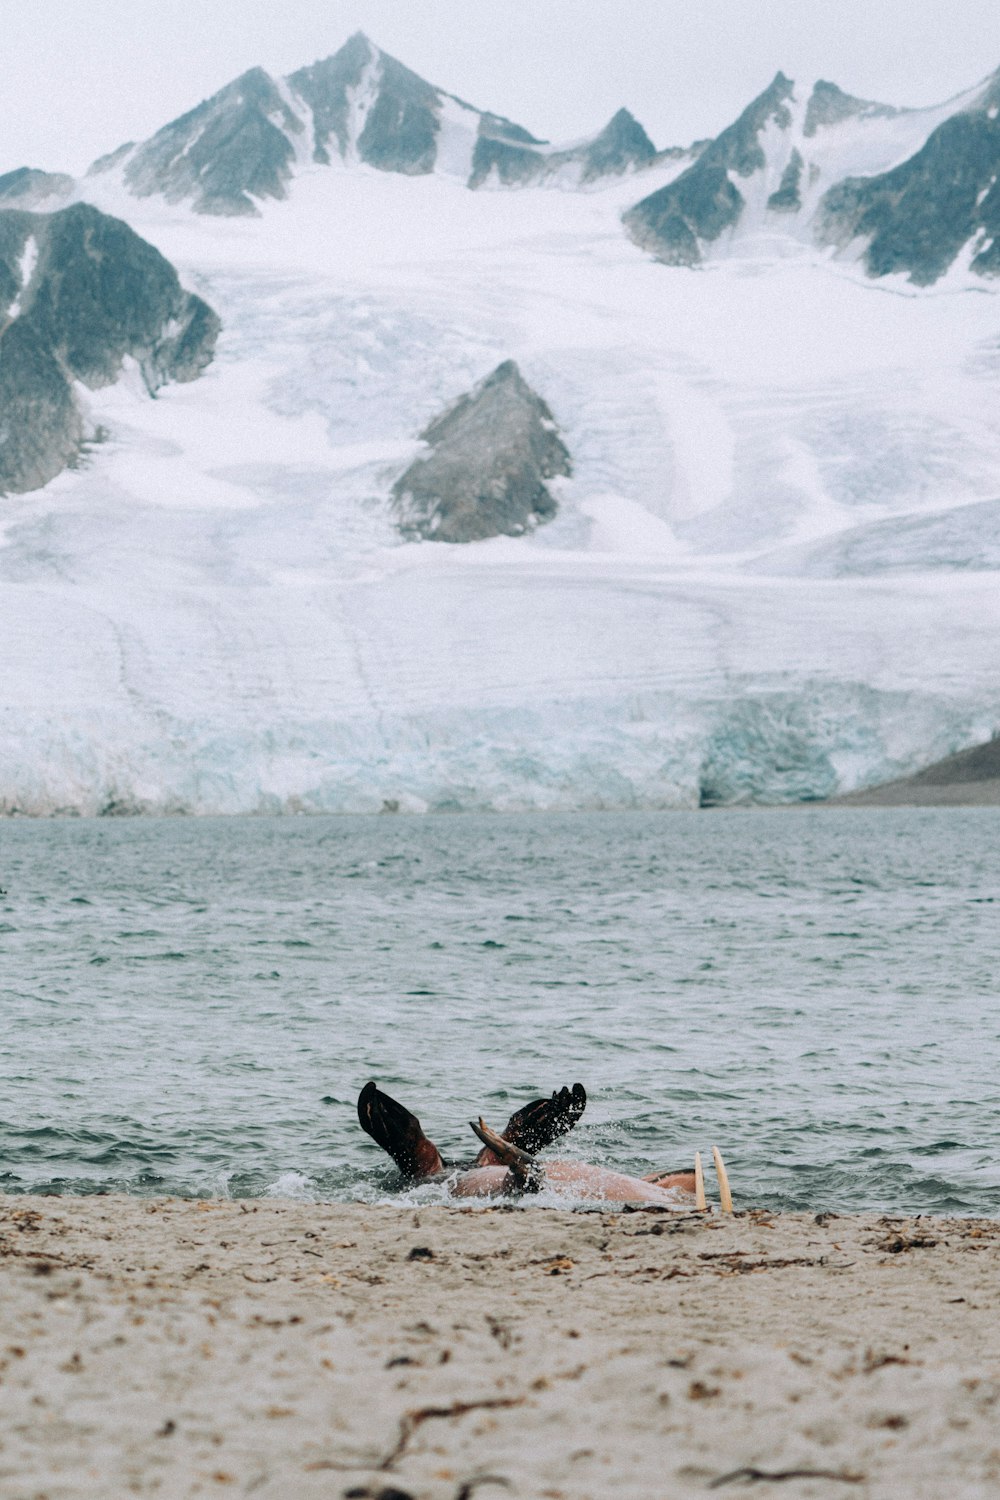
[192,1006]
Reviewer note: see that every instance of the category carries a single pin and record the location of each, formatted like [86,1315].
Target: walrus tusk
[699,1182]
[507,1152]
[521,1165]
[725,1196]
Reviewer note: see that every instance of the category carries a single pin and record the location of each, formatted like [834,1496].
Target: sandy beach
[287,1350]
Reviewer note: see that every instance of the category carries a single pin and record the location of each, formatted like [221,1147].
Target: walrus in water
[507,1165]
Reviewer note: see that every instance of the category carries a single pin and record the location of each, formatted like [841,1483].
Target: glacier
[767,580]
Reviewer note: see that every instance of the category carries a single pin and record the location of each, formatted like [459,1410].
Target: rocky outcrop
[702,202]
[917,217]
[240,147]
[828,105]
[787,199]
[27,187]
[506,156]
[363,98]
[929,195]
[491,455]
[620,147]
[231,149]
[327,88]
[509,157]
[80,292]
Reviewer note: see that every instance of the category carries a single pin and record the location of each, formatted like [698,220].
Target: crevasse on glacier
[771,575]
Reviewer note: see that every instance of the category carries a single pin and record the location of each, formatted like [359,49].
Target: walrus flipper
[526,1176]
[543,1121]
[398,1132]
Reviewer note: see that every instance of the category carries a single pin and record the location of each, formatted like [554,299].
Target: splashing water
[191,1006]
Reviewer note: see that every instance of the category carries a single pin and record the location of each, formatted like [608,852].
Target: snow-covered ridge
[359,107]
[908,192]
[903,190]
[772,573]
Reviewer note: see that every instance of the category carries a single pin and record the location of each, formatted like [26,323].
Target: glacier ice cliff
[771,575]
[657,751]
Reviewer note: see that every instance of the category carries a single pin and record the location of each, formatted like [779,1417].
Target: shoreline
[892,795]
[285,1349]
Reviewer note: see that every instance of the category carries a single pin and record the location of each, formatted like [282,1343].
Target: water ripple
[814,990]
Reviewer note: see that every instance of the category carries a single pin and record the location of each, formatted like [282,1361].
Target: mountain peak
[363,100]
[704,201]
[829,105]
[621,145]
[622,123]
[26,187]
[224,153]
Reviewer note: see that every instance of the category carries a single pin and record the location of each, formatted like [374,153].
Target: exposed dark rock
[225,152]
[622,144]
[919,215]
[40,426]
[110,160]
[990,96]
[326,87]
[492,452]
[738,147]
[80,292]
[787,199]
[27,187]
[699,205]
[703,201]
[402,120]
[241,144]
[517,159]
[980,763]
[513,164]
[829,105]
[400,132]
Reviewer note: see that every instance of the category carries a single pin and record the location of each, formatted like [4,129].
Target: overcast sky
[78,77]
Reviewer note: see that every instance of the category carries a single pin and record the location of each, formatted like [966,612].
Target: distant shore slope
[969,779]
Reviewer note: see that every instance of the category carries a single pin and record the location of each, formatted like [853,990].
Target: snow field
[215,613]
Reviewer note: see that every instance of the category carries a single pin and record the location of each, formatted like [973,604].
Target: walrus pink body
[507,1166]
[577,1179]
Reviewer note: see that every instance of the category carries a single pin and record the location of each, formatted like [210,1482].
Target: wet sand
[286,1350]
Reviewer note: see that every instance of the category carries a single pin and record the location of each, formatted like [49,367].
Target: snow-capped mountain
[244,144]
[903,191]
[769,570]
[906,191]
